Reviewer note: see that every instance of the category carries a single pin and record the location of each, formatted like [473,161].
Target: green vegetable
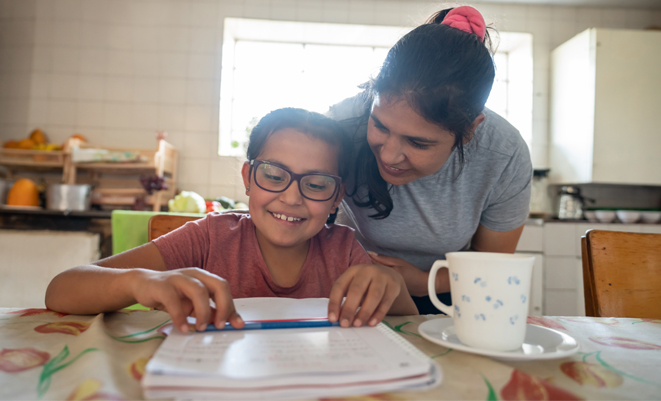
[187,202]
[226,202]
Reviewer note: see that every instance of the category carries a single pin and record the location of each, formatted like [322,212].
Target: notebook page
[277,354]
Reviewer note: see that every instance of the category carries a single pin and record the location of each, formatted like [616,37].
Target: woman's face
[406,146]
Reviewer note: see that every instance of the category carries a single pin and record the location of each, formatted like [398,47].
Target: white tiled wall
[117,70]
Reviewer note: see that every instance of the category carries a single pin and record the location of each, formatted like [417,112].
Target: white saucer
[539,343]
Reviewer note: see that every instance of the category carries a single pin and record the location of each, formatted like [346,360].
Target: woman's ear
[245,174]
[478,120]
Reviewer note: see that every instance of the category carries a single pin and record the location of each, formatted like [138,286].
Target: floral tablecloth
[52,356]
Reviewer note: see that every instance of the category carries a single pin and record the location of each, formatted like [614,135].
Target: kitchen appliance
[68,197]
[571,203]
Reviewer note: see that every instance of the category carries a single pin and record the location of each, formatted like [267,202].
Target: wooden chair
[622,274]
[160,224]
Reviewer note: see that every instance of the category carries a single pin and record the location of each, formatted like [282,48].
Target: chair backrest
[160,224]
[622,274]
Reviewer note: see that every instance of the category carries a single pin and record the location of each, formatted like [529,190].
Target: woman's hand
[186,292]
[416,279]
[375,289]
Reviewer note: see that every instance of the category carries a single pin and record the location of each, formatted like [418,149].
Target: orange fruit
[26,144]
[12,144]
[38,137]
[24,192]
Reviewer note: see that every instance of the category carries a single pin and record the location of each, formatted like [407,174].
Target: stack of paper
[286,363]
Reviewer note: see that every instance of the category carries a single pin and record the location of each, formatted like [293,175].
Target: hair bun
[467,19]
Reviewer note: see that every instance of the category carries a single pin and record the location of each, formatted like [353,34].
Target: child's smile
[288,219]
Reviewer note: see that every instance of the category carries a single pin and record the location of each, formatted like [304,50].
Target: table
[46,355]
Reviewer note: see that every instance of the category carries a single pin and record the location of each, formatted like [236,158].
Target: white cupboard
[605,95]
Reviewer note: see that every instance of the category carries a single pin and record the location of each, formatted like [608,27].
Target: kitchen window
[273,64]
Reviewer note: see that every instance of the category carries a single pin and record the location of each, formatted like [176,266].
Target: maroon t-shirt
[226,245]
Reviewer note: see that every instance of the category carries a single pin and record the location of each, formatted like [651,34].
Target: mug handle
[431,287]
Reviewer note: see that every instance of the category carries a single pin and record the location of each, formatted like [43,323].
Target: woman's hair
[310,123]
[445,74]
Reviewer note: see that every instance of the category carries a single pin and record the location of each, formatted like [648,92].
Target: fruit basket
[32,158]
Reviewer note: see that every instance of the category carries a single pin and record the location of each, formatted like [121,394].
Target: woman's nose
[391,151]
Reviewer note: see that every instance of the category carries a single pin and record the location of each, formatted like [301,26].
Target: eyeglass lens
[314,186]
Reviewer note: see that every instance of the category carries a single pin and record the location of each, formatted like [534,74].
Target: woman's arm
[484,240]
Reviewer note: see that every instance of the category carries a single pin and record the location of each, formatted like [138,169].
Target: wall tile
[95,35]
[613,18]
[174,65]
[144,13]
[225,171]
[68,10]
[284,10]
[173,91]
[63,86]
[63,112]
[311,11]
[587,18]
[201,66]
[638,19]
[171,118]
[119,37]
[67,33]
[562,31]
[198,145]
[92,10]
[119,62]
[146,38]
[91,114]
[118,115]
[260,9]
[44,33]
[194,171]
[204,40]
[200,91]
[24,10]
[93,61]
[145,116]
[119,89]
[198,118]
[39,113]
[118,11]
[173,13]
[560,303]
[146,90]
[42,60]
[204,13]
[146,64]
[40,86]
[5,10]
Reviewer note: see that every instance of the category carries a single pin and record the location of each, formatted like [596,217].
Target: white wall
[118,70]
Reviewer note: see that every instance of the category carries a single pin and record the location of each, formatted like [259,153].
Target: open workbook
[286,363]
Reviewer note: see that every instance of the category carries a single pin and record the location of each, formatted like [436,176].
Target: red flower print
[137,368]
[523,386]
[546,322]
[608,321]
[73,328]
[89,391]
[20,359]
[624,342]
[37,311]
[591,374]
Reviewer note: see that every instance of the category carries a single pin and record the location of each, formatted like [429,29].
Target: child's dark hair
[310,123]
[445,75]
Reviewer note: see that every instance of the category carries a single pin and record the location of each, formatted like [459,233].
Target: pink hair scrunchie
[467,19]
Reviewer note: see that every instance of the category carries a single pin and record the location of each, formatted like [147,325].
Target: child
[293,176]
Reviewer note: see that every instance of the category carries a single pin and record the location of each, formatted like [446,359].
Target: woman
[436,172]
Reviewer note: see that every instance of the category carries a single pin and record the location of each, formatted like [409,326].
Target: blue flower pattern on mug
[488,298]
[479,281]
[498,304]
[513,280]
[465,298]
[480,316]
[455,276]
[513,319]
[523,298]
[456,308]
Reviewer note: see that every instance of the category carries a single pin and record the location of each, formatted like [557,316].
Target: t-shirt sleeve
[358,254]
[509,204]
[187,246]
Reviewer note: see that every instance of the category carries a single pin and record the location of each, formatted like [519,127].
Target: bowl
[651,217]
[628,216]
[591,216]
[605,216]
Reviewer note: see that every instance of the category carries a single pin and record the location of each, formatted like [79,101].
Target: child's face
[301,154]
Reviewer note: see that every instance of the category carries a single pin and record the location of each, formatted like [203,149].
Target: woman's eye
[273,177]
[418,145]
[315,187]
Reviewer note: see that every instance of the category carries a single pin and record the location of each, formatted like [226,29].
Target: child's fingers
[337,293]
[355,294]
[236,321]
[218,288]
[198,294]
[375,293]
[382,309]
[173,307]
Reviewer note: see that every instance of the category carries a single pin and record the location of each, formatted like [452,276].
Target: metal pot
[5,186]
[69,197]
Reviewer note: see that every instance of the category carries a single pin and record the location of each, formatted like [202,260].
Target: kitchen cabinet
[605,93]
[531,243]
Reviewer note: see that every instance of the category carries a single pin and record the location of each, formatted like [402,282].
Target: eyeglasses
[314,186]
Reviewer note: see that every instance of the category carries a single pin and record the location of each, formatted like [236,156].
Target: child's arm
[381,289]
[139,275]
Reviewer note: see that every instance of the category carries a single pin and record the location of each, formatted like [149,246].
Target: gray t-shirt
[440,213]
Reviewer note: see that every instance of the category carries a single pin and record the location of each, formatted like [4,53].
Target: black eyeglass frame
[294,177]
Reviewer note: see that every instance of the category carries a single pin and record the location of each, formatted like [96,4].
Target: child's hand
[375,286]
[186,292]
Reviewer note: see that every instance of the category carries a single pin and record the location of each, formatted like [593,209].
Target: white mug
[490,295]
